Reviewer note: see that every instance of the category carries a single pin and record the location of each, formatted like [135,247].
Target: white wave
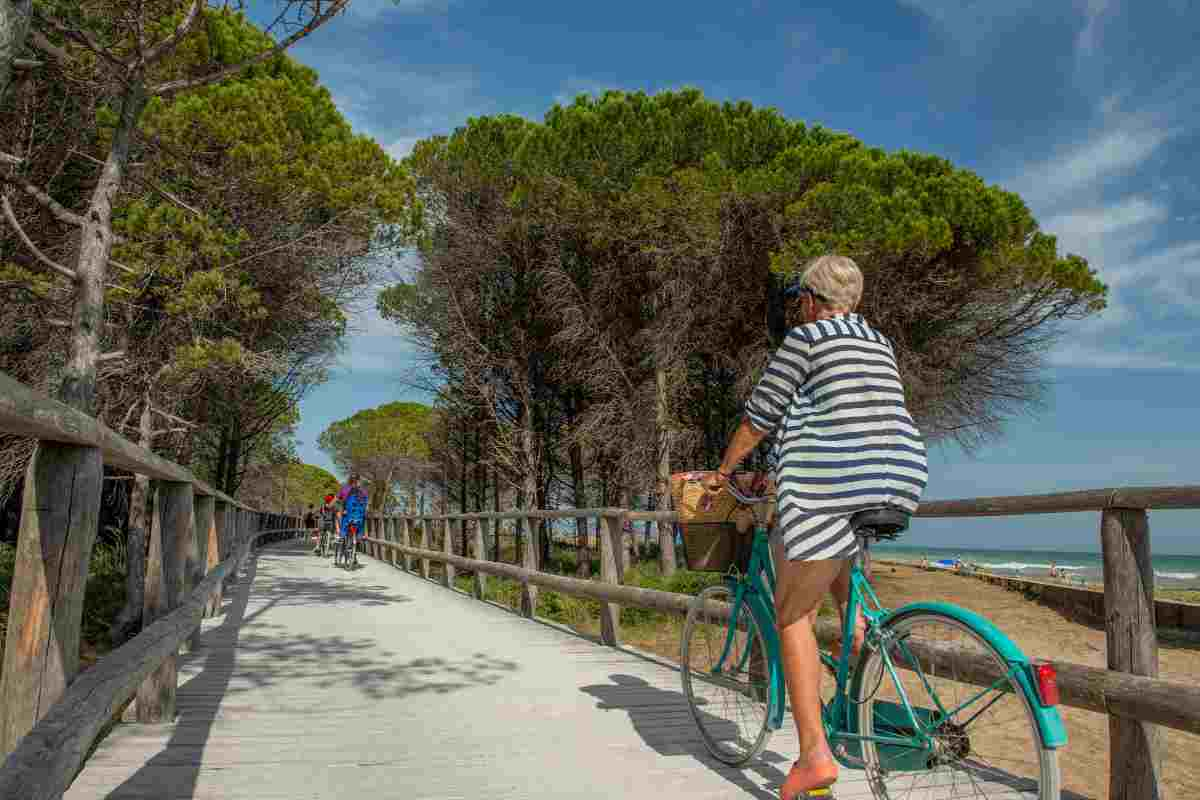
[1020,566]
[1177,576]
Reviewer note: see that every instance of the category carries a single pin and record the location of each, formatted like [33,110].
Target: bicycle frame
[756,591]
[749,590]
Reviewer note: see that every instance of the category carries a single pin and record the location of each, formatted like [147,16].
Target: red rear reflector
[1046,678]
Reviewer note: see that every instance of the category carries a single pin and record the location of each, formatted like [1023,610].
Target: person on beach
[844,442]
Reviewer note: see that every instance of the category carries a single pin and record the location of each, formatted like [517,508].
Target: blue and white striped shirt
[844,440]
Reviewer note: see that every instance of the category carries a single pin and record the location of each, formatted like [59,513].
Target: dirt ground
[1039,631]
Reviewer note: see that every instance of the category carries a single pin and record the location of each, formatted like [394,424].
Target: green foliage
[393,430]
[311,483]
[588,249]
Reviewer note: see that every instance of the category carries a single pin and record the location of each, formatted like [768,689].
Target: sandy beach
[1040,631]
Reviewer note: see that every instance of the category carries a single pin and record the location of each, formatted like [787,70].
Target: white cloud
[1096,357]
[1115,150]
[1088,40]
[970,23]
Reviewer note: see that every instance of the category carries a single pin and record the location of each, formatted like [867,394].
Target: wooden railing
[49,717]
[1129,691]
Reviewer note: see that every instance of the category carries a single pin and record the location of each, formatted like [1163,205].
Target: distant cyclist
[328,516]
[353,499]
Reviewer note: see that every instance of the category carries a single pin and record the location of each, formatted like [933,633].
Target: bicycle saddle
[880,523]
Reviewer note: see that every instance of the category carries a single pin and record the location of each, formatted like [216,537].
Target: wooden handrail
[25,412]
[49,757]
[1161,702]
[1149,498]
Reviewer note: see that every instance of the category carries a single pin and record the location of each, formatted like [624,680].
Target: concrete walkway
[318,683]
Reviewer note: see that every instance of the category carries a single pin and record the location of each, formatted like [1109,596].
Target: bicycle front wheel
[983,738]
[727,696]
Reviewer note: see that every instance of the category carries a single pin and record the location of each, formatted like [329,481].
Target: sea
[1170,571]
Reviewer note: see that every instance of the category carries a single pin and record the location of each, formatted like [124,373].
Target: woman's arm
[768,402]
[743,442]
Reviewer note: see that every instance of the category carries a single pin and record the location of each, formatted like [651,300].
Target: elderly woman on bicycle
[833,401]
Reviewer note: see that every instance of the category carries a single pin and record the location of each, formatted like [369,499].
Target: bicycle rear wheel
[985,741]
[729,707]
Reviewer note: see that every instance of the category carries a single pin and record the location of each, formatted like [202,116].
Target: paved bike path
[319,683]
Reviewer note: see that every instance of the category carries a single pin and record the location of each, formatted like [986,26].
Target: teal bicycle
[940,704]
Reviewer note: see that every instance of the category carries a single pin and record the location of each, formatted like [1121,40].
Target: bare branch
[181,85]
[39,41]
[56,323]
[42,257]
[172,417]
[26,64]
[143,182]
[167,45]
[60,212]
[169,430]
[112,356]
[84,38]
[9,159]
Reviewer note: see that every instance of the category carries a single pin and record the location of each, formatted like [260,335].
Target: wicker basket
[711,542]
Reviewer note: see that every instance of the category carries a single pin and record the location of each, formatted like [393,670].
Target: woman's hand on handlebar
[715,482]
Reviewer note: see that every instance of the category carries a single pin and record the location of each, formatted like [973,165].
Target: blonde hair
[836,278]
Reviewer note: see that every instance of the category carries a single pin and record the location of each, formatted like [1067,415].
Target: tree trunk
[496,508]
[78,388]
[234,459]
[14,25]
[666,536]
[128,621]
[583,556]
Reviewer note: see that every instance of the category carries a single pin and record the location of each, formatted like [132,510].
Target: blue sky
[1087,108]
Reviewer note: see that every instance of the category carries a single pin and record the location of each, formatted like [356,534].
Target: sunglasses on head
[796,291]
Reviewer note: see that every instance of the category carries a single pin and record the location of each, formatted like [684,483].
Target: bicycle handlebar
[744,499]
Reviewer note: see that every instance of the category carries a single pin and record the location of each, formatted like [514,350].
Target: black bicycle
[347,554]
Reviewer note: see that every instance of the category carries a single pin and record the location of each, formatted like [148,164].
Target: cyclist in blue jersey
[354,508]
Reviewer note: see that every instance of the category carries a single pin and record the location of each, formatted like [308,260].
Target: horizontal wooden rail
[1169,703]
[48,758]
[25,412]
[1149,498]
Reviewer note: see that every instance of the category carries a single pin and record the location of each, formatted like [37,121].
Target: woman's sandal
[824,782]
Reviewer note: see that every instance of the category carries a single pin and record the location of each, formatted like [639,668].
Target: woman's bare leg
[800,587]
[841,594]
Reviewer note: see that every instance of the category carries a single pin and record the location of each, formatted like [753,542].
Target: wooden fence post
[481,554]
[216,551]
[610,555]
[171,530]
[406,541]
[205,511]
[666,548]
[424,546]
[390,526]
[1132,646]
[448,571]
[529,559]
[60,514]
